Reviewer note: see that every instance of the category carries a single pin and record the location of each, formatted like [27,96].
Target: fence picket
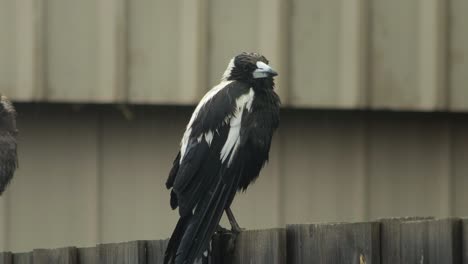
[334,243]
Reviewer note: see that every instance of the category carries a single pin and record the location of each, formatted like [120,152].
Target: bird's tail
[174,242]
[192,235]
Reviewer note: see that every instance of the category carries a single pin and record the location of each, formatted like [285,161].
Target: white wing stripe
[233,139]
[203,101]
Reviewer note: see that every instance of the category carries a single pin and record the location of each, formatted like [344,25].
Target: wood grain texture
[465,240]
[261,246]
[155,251]
[6,258]
[431,241]
[89,255]
[55,256]
[123,253]
[23,258]
[334,243]
[255,246]
[390,238]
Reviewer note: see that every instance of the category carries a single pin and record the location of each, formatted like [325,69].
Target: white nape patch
[227,72]
[203,101]
[233,139]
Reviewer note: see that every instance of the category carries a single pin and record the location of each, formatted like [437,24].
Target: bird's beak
[263,71]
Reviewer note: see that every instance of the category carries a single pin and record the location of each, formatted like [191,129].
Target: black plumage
[223,149]
[8,133]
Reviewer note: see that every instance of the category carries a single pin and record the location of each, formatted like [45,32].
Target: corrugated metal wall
[88,176]
[342,53]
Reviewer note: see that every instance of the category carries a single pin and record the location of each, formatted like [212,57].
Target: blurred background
[374,120]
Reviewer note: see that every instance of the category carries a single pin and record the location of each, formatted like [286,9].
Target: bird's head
[249,67]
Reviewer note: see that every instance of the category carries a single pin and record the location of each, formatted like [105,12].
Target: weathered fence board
[334,243]
[6,258]
[390,238]
[88,255]
[155,251]
[465,240]
[256,246]
[395,240]
[56,256]
[23,258]
[123,253]
[431,241]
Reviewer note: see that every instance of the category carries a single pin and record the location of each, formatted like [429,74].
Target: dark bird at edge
[8,133]
[224,147]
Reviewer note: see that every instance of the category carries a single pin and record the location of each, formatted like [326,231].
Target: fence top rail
[387,240]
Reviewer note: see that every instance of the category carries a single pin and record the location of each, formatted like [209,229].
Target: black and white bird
[224,147]
[8,132]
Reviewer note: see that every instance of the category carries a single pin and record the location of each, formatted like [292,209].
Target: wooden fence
[399,240]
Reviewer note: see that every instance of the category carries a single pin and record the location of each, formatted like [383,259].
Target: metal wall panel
[146,157]
[233,29]
[71,37]
[401,55]
[407,54]
[393,54]
[154,40]
[409,167]
[459,154]
[53,201]
[167,51]
[8,44]
[314,52]
[328,46]
[331,183]
[20,53]
[251,26]
[458,55]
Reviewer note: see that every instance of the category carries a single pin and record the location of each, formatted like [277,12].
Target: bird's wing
[8,156]
[205,146]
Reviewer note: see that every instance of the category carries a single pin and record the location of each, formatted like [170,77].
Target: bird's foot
[236,229]
[221,230]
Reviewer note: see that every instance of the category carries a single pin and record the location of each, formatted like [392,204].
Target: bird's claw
[221,230]
[237,229]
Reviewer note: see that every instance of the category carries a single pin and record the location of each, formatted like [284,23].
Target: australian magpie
[8,132]
[224,147]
